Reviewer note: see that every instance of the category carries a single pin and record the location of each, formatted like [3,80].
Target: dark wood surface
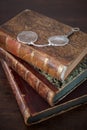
[73,13]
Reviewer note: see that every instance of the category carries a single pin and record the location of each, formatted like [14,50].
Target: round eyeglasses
[30,37]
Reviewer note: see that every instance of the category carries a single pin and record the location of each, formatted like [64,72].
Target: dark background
[71,12]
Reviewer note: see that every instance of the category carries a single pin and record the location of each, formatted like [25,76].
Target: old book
[49,91]
[33,108]
[58,61]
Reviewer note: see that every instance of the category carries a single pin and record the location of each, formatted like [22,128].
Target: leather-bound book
[34,108]
[52,92]
[59,57]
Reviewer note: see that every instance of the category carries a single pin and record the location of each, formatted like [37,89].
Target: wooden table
[72,12]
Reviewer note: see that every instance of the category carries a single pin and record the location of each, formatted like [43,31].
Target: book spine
[36,83]
[18,95]
[30,55]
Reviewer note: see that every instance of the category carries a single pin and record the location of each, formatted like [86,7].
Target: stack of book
[46,79]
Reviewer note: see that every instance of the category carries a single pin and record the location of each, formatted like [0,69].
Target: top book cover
[55,50]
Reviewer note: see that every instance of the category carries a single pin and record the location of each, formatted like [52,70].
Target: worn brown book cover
[57,61]
[50,92]
[33,108]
